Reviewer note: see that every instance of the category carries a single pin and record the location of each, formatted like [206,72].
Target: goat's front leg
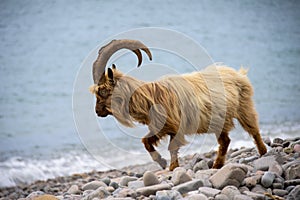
[173,148]
[149,140]
[224,142]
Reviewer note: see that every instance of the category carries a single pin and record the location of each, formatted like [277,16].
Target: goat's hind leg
[224,142]
[149,140]
[173,148]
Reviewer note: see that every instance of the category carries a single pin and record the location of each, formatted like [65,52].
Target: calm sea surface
[43,44]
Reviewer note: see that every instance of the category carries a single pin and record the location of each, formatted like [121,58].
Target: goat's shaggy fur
[199,102]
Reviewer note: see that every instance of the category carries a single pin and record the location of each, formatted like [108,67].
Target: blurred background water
[43,43]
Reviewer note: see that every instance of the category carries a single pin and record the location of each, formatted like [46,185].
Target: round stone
[149,178]
[267,179]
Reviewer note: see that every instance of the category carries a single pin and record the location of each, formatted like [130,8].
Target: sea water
[43,44]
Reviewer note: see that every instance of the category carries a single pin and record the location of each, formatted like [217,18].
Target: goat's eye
[102,92]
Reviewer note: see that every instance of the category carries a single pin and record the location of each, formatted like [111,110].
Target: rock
[254,196]
[205,174]
[34,194]
[114,185]
[136,184]
[297,148]
[106,180]
[267,141]
[209,192]
[202,165]
[276,168]
[230,191]
[93,185]
[46,197]
[242,197]
[150,178]
[196,197]
[196,158]
[180,176]
[100,193]
[74,189]
[280,192]
[243,188]
[110,189]
[294,194]
[267,179]
[188,186]
[234,154]
[146,191]
[293,171]
[278,140]
[168,195]
[221,197]
[125,179]
[290,188]
[125,192]
[292,182]
[250,181]
[263,163]
[230,174]
[258,189]
[278,186]
[248,159]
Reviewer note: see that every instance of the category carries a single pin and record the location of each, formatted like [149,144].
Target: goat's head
[104,82]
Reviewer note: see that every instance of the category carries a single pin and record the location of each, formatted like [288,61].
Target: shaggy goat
[176,105]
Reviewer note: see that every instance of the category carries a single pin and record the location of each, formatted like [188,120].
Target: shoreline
[282,163]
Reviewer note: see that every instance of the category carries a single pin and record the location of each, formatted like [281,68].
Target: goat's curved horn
[108,50]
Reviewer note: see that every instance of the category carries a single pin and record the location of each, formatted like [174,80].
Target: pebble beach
[245,176]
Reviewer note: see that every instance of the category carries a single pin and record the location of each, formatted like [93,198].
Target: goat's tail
[243,71]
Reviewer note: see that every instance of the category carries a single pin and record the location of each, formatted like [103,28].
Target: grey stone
[168,195]
[196,197]
[230,174]
[278,186]
[292,182]
[125,179]
[292,172]
[209,192]
[254,195]
[106,180]
[276,168]
[35,194]
[230,191]
[280,192]
[98,193]
[151,190]
[180,176]
[278,140]
[250,181]
[114,185]
[150,178]
[125,192]
[243,188]
[74,189]
[294,194]
[110,189]
[290,188]
[242,197]
[136,184]
[202,165]
[267,141]
[93,185]
[267,179]
[239,152]
[259,189]
[221,197]
[203,174]
[188,186]
[264,163]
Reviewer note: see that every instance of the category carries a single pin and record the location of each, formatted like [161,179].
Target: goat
[176,105]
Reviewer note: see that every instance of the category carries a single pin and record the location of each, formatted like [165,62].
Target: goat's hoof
[217,165]
[163,163]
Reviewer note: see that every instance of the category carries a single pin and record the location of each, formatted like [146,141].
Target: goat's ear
[110,74]
[113,66]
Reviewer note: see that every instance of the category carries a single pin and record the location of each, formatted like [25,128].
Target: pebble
[280,192]
[202,165]
[278,140]
[209,192]
[278,186]
[136,184]
[93,185]
[230,174]
[267,179]
[295,193]
[98,193]
[168,195]
[250,181]
[188,186]
[254,195]
[149,190]
[195,197]
[221,197]
[242,197]
[263,163]
[230,191]
[150,178]
[74,189]
[297,148]
[114,184]
[180,176]
[258,189]
[125,179]
[292,172]
[276,168]
[106,180]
